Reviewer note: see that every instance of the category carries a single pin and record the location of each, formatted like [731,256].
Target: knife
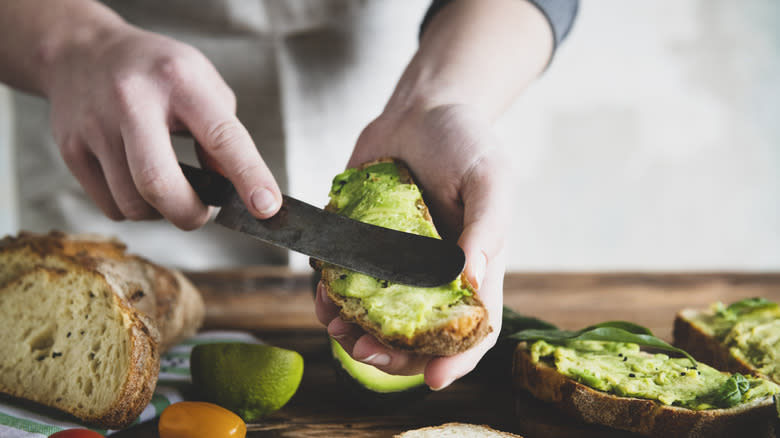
[380,252]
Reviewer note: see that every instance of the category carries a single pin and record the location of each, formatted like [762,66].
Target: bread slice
[164,294]
[70,342]
[456,430]
[642,416]
[86,324]
[460,326]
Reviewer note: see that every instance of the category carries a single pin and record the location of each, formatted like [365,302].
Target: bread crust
[456,336]
[705,348]
[645,417]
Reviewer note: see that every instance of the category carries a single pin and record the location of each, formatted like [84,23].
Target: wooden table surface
[276,305]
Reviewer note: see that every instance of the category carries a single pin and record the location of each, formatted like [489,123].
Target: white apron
[308,75]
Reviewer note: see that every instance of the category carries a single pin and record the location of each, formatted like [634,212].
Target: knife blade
[380,252]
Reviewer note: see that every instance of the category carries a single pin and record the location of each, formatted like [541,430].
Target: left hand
[462,172]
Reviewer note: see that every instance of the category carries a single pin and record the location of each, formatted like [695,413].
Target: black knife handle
[211,187]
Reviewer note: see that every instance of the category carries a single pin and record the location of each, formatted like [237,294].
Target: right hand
[116,98]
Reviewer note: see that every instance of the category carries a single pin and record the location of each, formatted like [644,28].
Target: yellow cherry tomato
[200,420]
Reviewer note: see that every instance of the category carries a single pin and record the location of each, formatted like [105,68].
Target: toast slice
[723,341]
[84,324]
[462,430]
[642,416]
[448,327]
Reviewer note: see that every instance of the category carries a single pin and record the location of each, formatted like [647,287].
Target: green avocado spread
[377,196]
[750,329]
[624,370]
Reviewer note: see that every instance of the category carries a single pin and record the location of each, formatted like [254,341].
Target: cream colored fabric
[296,70]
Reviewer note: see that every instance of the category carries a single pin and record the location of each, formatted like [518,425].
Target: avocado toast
[439,321]
[618,385]
[743,337]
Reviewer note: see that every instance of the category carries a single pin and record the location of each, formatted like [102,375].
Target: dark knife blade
[380,252]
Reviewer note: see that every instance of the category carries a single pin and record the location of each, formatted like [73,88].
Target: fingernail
[377,359]
[480,264]
[264,201]
[337,328]
[444,385]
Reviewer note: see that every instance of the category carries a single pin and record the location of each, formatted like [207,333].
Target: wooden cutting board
[277,305]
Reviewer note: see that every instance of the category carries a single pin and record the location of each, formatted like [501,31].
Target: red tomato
[76,433]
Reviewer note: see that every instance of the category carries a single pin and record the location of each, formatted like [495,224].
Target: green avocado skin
[751,333]
[370,386]
[377,196]
[624,370]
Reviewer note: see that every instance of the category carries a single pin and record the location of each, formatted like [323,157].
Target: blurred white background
[651,143]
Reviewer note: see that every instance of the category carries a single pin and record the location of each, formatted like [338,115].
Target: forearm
[34,33]
[482,53]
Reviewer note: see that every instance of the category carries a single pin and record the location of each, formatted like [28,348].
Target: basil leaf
[731,391]
[612,331]
[512,322]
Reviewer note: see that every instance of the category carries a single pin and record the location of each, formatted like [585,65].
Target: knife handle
[211,187]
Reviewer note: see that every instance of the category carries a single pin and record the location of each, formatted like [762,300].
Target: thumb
[485,216]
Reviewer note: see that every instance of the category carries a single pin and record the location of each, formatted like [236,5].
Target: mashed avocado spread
[750,329]
[377,196]
[622,369]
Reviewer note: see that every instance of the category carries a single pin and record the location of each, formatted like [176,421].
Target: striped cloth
[174,384]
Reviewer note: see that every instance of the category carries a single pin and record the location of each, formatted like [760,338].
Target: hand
[116,98]
[463,175]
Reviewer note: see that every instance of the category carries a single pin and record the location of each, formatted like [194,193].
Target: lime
[249,379]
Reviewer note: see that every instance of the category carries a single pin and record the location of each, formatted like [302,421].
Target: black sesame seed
[631,375]
[40,358]
[620,354]
[91,356]
[384,284]
[625,358]
[682,373]
[55,354]
[343,276]
[68,335]
[91,295]
[81,332]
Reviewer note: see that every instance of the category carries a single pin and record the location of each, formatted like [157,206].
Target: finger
[369,350]
[115,168]
[345,333]
[155,169]
[86,168]
[485,197]
[324,308]
[213,123]
[442,371]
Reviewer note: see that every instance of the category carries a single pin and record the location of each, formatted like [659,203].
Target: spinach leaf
[731,391]
[512,322]
[741,307]
[611,331]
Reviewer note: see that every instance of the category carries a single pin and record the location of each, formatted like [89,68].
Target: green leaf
[741,307]
[611,331]
[731,391]
[514,322]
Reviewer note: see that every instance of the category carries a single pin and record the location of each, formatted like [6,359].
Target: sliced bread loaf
[86,324]
[70,342]
[448,319]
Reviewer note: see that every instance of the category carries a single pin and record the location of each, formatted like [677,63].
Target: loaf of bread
[456,430]
[642,416]
[451,328]
[84,324]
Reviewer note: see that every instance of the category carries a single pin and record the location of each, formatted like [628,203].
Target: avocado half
[371,386]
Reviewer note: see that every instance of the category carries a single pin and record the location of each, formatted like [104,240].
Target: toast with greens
[440,321]
[743,337]
[604,375]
